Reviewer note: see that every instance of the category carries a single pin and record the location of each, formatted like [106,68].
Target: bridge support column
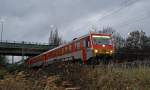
[22,57]
[12,59]
[22,53]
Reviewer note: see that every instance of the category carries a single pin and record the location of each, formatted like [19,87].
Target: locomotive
[87,49]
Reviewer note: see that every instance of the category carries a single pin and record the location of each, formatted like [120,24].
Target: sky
[31,20]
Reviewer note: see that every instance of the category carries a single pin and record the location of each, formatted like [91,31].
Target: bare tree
[108,30]
[137,39]
[54,38]
[148,42]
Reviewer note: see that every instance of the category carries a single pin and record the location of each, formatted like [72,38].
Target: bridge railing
[26,45]
[8,47]
[22,42]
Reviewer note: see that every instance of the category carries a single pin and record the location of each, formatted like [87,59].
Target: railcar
[86,49]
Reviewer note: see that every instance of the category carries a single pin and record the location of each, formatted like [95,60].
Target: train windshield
[102,40]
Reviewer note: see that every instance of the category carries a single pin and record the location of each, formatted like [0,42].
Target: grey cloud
[30,20]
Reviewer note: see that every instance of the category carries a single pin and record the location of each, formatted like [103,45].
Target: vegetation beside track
[83,77]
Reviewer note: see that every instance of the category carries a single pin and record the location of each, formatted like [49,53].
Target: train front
[102,46]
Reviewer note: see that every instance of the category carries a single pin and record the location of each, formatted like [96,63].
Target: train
[87,49]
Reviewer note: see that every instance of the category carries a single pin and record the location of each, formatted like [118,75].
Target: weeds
[82,76]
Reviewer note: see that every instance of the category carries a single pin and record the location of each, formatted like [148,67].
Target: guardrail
[22,42]
[21,47]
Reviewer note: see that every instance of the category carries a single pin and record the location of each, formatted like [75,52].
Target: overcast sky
[30,20]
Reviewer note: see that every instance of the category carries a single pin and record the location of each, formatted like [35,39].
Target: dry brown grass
[29,81]
[110,78]
[79,77]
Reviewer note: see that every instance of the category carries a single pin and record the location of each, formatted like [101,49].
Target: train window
[81,44]
[66,49]
[52,53]
[75,46]
[78,45]
[49,55]
[70,48]
[56,52]
[86,43]
[62,50]
[59,51]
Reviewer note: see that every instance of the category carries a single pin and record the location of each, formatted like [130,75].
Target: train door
[83,50]
[73,49]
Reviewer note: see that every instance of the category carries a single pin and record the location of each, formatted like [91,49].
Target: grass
[112,78]
[83,76]
[2,73]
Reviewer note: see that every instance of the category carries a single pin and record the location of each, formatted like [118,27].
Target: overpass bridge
[16,48]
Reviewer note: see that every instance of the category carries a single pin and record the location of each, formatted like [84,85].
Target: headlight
[111,51]
[95,51]
[103,45]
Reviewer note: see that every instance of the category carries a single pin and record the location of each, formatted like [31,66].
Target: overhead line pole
[2,31]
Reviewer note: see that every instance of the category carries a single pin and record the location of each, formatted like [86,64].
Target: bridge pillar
[22,57]
[12,59]
[22,53]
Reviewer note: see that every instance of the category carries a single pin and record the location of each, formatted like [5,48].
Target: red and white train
[87,48]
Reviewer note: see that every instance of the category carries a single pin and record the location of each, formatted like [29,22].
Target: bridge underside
[23,48]
[21,52]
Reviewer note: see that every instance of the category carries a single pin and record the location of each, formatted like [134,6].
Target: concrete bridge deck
[23,48]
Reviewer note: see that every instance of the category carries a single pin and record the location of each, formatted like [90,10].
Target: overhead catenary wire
[123,5]
[133,22]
